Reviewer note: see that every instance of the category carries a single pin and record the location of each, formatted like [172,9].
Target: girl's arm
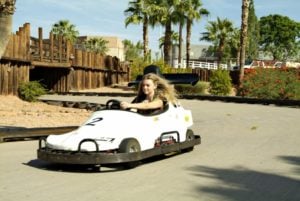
[158,103]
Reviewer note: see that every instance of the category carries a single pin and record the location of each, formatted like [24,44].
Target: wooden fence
[11,74]
[56,64]
[203,74]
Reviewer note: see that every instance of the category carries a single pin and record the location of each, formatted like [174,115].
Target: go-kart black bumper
[98,158]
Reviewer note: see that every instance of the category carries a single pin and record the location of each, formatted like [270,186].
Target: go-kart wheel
[113,104]
[189,136]
[130,145]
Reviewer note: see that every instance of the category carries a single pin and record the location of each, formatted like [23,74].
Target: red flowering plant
[283,83]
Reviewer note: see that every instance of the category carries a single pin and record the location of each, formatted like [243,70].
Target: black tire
[130,145]
[189,136]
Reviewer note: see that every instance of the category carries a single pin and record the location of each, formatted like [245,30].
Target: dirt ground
[15,112]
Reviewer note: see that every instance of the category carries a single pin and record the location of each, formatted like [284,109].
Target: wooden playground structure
[56,63]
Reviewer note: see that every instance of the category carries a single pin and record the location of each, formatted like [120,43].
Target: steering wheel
[113,104]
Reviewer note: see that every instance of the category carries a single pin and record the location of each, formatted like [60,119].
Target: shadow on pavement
[248,185]
[43,165]
[294,161]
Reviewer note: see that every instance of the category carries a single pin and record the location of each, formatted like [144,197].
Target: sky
[106,17]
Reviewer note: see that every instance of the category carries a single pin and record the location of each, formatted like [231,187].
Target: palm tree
[66,29]
[7,9]
[174,40]
[97,45]
[179,16]
[165,12]
[132,51]
[219,33]
[194,12]
[138,13]
[244,30]
[234,45]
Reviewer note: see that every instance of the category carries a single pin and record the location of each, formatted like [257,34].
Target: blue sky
[106,17]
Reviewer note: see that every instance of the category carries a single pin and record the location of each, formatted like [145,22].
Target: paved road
[248,153]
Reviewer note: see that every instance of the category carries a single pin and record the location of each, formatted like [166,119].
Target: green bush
[198,89]
[138,65]
[30,91]
[279,84]
[220,82]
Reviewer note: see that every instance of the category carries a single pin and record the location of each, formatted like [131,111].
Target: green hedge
[220,82]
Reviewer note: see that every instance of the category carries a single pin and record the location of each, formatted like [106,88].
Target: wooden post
[78,57]
[89,64]
[60,47]
[27,38]
[41,43]
[20,43]
[15,78]
[15,46]
[68,51]
[84,59]
[95,61]
[5,79]
[51,46]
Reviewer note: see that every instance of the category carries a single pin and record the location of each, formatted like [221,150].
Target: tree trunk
[5,31]
[238,56]
[145,38]
[167,43]
[244,29]
[180,44]
[220,52]
[188,41]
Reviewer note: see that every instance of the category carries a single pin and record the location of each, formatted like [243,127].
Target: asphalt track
[248,153]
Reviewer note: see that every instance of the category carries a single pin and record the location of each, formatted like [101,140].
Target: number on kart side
[94,121]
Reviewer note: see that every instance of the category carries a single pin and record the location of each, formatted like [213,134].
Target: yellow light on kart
[187,118]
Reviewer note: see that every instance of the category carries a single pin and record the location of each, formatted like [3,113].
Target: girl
[153,93]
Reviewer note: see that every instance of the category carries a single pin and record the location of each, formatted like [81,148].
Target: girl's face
[148,87]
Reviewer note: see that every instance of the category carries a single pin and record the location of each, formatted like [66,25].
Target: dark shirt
[149,111]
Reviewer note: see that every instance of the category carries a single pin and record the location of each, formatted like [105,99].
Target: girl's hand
[124,105]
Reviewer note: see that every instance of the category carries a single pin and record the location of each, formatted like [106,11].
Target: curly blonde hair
[164,90]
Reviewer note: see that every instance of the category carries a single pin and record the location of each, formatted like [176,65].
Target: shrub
[30,91]
[199,88]
[271,84]
[138,65]
[220,82]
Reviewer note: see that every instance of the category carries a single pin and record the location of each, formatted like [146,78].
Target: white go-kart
[112,135]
